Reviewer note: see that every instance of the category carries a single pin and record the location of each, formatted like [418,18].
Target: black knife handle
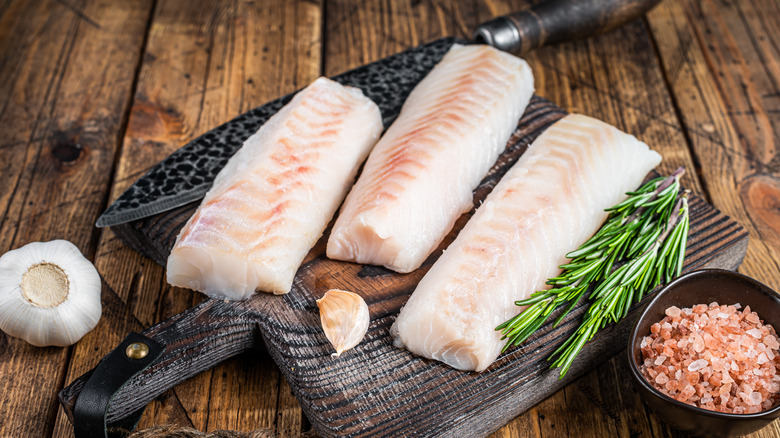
[555,21]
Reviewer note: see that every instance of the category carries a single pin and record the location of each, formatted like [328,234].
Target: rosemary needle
[641,245]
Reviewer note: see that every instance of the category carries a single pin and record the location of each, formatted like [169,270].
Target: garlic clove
[344,316]
[49,293]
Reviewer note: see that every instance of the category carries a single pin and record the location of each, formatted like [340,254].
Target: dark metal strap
[112,373]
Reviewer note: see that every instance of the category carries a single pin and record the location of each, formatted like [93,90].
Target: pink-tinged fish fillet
[547,204]
[419,178]
[276,195]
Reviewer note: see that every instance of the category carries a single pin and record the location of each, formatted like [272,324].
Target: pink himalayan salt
[673,311]
[697,365]
[714,357]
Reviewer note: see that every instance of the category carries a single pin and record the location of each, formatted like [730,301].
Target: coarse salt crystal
[688,391]
[697,365]
[673,311]
[756,333]
[762,359]
[660,360]
[698,344]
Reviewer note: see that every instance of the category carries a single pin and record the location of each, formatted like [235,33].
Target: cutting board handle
[555,21]
[193,341]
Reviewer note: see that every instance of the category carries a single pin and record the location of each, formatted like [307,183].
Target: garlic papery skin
[49,293]
[344,316]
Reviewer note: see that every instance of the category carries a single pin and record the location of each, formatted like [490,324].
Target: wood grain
[62,108]
[733,127]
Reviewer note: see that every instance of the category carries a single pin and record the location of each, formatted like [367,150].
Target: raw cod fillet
[547,204]
[419,178]
[276,195]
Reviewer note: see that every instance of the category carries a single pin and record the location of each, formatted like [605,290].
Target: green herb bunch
[641,245]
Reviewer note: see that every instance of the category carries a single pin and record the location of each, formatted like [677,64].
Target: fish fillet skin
[420,176]
[547,204]
[274,198]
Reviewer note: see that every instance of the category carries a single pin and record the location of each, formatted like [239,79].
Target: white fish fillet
[419,178]
[276,195]
[547,204]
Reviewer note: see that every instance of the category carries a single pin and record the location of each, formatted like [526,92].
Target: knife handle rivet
[137,350]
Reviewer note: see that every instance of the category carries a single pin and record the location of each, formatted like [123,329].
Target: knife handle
[193,341]
[555,21]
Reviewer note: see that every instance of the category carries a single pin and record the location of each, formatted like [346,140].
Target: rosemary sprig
[645,236]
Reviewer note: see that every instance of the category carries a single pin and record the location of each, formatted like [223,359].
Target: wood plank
[361,32]
[721,62]
[289,417]
[62,108]
[205,62]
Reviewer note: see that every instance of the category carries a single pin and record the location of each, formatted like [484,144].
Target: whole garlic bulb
[49,293]
[344,316]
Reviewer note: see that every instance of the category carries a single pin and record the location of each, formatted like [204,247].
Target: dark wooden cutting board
[377,389]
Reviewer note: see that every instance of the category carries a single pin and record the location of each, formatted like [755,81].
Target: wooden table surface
[95,92]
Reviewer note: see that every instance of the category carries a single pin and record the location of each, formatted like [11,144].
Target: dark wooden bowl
[702,287]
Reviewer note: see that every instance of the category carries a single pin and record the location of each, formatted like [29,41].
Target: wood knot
[761,193]
[67,151]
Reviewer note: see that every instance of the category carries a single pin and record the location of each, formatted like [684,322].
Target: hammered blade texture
[187,174]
